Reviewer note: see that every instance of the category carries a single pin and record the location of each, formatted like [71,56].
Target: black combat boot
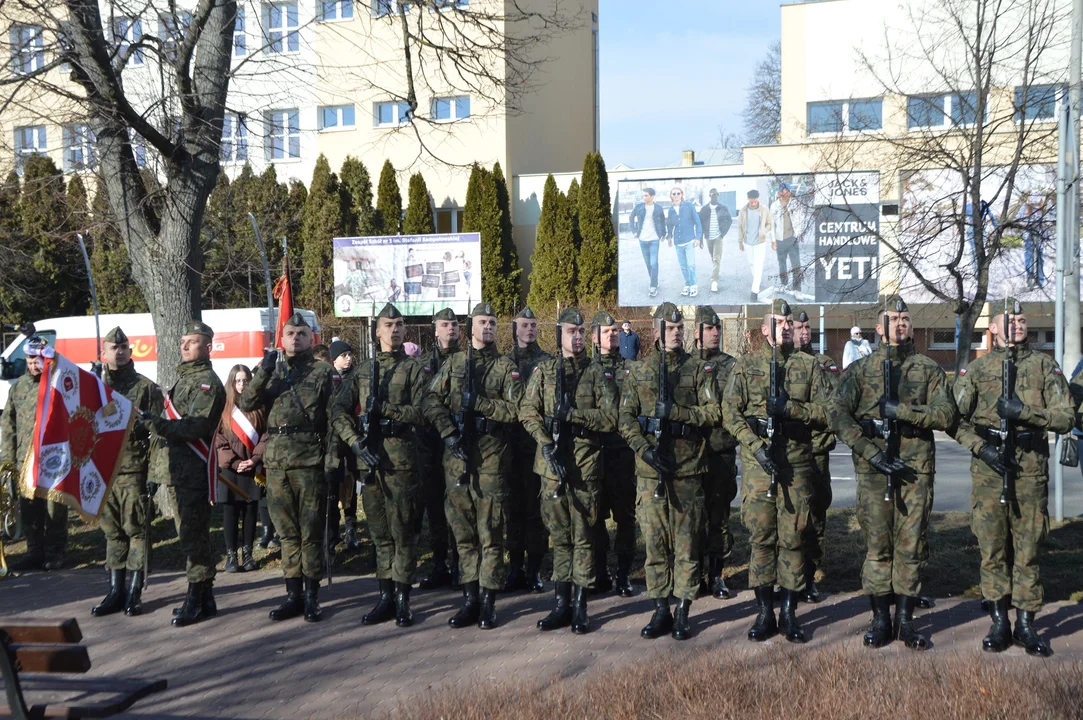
[904,623]
[987,607]
[999,638]
[468,614]
[385,605]
[248,560]
[210,607]
[880,632]
[681,631]
[623,582]
[294,605]
[403,616]
[1027,636]
[191,611]
[487,614]
[561,614]
[661,621]
[925,602]
[580,620]
[533,573]
[787,617]
[516,579]
[114,601]
[811,593]
[718,583]
[134,604]
[765,625]
[313,612]
[265,538]
[231,562]
[440,575]
[603,583]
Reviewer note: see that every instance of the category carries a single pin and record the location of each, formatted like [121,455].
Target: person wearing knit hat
[341,353]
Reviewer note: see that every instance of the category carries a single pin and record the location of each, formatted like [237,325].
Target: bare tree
[763,99]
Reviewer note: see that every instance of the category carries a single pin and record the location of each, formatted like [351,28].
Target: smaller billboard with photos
[420,274]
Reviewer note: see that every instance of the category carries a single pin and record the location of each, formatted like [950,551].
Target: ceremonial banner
[283,292]
[79,434]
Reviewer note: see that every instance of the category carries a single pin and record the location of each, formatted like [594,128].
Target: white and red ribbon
[203,452]
[243,428]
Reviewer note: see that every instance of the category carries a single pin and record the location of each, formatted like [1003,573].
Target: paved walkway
[240,665]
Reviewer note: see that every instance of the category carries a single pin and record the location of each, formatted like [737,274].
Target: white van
[239,337]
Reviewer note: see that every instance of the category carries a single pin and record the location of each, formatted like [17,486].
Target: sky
[652,53]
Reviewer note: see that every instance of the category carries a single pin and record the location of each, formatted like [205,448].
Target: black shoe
[53,564]
[191,611]
[352,543]
[661,621]
[999,638]
[248,561]
[114,601]
[471,609]
[811,593]
[880,631]
[1027,636]
[787,617]
[313,611]
[134,604]
[765,625]
[27,564]
[925,602]
[276,542]
[294,605]
[516,577]
[533,573]
[623,582]
[561,614]
[681,631]
[231,562]
[718,583]
[904,623]
[210,607]
[987,607]
[385,606]
[403,616]
[265,538]
[487,614]
[580,620]
[438,578]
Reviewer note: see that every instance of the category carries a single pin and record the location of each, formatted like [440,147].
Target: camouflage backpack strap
[301,405]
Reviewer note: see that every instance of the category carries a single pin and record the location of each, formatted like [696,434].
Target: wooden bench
[35,655]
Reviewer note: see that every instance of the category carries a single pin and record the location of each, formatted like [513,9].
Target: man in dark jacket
[629,342]
[649,227]
[715,219]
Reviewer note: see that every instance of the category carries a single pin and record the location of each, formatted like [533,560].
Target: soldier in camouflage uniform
[720,480]
[1010,534]
[476,508]
[45,521]
[617,492]
[823,442]
[671,520]
[198,397]
[123,517]
[919,403]
[297,397]
[431,453]
[568,433]
[525,529]
[776,523]
[391,485]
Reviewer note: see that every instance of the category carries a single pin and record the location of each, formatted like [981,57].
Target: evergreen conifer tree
[573,208]
[388,203]
[597,286]
[552,277]
[323,218]
[419,220]
[117,290]
[482,214]
[357,184]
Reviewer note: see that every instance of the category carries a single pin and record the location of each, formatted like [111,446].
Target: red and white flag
[79,434]
[284,294]
[244,429]
[203,451]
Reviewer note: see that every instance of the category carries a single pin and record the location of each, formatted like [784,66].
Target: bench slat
[51,658]
[54,696]
[41,630]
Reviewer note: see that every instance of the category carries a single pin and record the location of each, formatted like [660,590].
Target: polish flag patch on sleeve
[1057,371]
[205,387]
[608,375]
[708,368]
[963,371]
[515,373]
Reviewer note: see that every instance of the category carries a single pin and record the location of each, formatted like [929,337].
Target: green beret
[571,315]
[802,316]
[526,314]
[603,319]
[781,307]
[198,327]
[445,314]
[298,320]
[482,308]
[115,336]
[390,312]
[668,311]
[705,315]
[1014,306]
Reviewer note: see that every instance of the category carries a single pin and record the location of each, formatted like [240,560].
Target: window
[450,109]
[234,146]
[925,111]
[449,220]
[944,339]
[1037,102]
[964,108]
[78,148]
[171,30]
[825,117]
[335,117]
[389,114]
[381,8]
[845,116]
[1042,339]
[331,10]
[866,115]
[240,40]
[29,140]
[27,49]
[126,33]
[448,4]
[283,135]
[281,22]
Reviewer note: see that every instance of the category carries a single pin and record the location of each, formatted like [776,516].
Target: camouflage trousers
[720,488]
[570,520]
[46,526]
[391,509]
[1010,538]
[672,530]
[617,497]
[432,507]
[894,532]
[297,501]
[821,501]
[776,525]
[525,529]
[193,521]
[122,521]
[475,513]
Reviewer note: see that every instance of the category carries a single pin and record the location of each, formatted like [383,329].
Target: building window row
[27,49]
[845,116]
[381,8]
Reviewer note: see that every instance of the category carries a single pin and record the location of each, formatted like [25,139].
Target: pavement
[241,665]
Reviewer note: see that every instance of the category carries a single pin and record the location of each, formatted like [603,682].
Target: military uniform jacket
[306,430]
[499,390]
[614,369]
[823,441]
[925,404]
[144,395]
[1039,383]
[695,400]
[199,397]
[594,399]
[17,422]
[526,359]
[746,397]
[721,365]
[401,385]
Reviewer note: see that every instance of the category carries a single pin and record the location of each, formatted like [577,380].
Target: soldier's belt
[290,430]
[392,428]
[481,424]
[573,429]
[1024,439]
[789,429]
[677,430]
[874,428]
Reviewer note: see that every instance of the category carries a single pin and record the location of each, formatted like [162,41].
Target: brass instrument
[8,519]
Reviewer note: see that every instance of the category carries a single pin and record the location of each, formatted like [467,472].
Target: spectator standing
[629,342]
[857,348]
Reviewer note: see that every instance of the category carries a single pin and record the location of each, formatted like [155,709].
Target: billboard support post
[823,336]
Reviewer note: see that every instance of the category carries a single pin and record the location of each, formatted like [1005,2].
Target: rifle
[887,427]
[469,428]
[661,424]
[557,429]
[772,392]
[148,542]
[1007,432]
[370,421]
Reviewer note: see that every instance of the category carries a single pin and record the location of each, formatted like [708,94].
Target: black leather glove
[991,457]
[270,359]
[889,409]
[469,400]
[563,410]
[364,454]
[1011,408]
[662,408]
[765,461]
[776,406]
[886,465]
[454,445]
[549,452]
[660,461]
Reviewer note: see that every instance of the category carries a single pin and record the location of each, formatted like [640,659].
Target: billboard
[735,240]
[420,274]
